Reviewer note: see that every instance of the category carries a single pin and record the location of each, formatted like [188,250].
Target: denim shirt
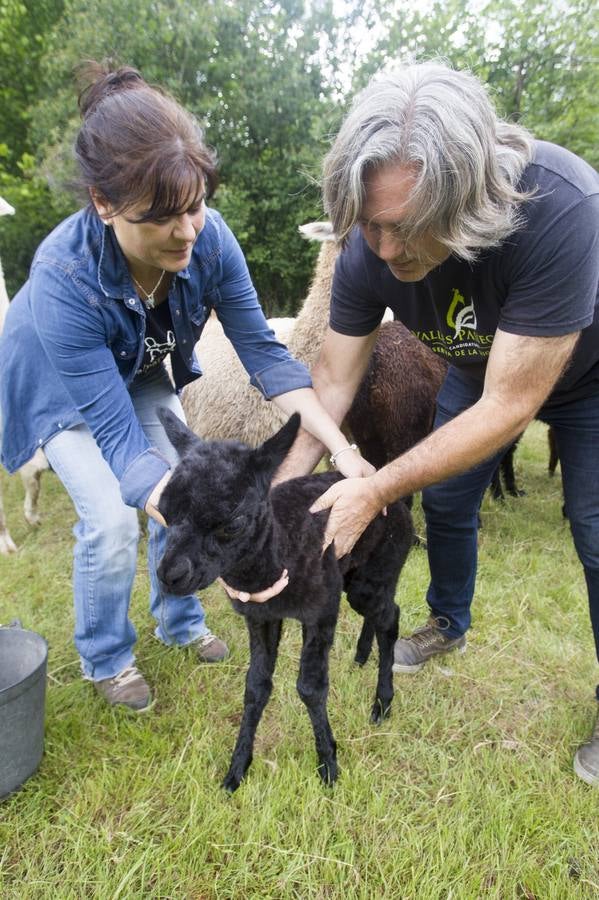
[73,342]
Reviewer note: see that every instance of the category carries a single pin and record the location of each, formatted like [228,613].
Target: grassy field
[466,791]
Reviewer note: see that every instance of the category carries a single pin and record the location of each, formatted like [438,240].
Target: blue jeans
[451,507]
[107,533]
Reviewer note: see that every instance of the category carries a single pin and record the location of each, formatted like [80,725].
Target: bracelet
[333,457]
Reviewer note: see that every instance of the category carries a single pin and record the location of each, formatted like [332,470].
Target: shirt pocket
[124,350]
[199,315]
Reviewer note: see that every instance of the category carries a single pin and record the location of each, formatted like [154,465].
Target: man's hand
[261,596]
[354,503]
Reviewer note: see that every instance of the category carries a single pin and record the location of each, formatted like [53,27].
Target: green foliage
[24,26]
[543,67]
[266,78]
[37,211]
[250,72]
[539,59]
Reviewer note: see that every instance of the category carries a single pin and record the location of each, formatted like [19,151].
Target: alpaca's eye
[231,529]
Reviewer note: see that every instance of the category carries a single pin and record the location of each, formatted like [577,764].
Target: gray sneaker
[586,759]
[209,648]
[129,688]
[411,653]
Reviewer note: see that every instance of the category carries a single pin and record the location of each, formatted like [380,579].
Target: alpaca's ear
[177,432]
[272,452]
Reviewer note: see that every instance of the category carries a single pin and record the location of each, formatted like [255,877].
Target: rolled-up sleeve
[141,477]
[268,362]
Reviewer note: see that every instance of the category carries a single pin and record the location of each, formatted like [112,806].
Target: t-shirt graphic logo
[157,349]
[465,318]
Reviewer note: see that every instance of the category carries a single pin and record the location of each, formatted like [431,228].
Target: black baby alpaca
[224,520]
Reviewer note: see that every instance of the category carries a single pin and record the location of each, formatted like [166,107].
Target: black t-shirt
[543,280]
[160,337]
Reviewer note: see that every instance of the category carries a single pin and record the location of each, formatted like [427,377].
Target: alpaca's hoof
[328,772]
[231,783]
[33,519]
[7,545]
[361,659]
[379,712]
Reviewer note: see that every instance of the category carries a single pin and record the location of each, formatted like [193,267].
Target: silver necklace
[150,299]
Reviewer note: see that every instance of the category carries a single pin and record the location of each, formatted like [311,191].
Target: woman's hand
[352,465]
[354,503]
[261,596]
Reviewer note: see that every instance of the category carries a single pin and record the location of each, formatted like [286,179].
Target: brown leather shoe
[411,653]
[129,688]
[209,649]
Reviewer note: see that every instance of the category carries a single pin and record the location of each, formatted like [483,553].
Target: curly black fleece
[224,520]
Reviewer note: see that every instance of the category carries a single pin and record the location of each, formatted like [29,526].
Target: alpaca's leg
[387,631]
[509,476]
[7,545]
[364,645]
[370,590]
[553,451]
[31,474]
[495,486]
[313,688]
[264,644]
[372,596]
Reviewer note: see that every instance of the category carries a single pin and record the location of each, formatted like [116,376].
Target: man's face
[388,192]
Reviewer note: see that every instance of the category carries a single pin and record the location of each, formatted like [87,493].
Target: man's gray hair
[440,123]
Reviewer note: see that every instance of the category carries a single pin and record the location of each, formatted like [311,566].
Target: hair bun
[98,80]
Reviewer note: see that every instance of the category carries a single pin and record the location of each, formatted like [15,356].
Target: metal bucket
[23,660]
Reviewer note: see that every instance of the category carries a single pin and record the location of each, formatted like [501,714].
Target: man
[486,244]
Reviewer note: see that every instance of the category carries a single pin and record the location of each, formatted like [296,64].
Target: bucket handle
[16,623]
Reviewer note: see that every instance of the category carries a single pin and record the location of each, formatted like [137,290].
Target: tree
[24,27]
[540,60]
[251,72]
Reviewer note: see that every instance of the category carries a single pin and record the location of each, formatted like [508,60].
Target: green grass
[466,791]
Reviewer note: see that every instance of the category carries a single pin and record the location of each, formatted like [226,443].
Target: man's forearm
[521,373]
[457,446]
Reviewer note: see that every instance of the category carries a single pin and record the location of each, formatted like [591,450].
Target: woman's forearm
[320,433]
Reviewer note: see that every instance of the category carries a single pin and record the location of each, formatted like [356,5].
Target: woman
[112,291]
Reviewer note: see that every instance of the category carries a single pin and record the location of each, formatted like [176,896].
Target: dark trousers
[451,507]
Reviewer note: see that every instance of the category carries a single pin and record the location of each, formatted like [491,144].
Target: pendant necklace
[150,299]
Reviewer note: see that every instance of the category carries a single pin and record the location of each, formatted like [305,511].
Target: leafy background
[271,81]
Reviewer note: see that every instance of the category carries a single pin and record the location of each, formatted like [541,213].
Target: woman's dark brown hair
[137,144]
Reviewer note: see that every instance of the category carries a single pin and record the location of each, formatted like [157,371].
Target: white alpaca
[32,470]
[222,404]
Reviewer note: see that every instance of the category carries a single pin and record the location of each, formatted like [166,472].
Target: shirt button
[131,301]
[60,424]
[177,312]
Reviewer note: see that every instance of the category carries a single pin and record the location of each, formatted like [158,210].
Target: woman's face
[155,244]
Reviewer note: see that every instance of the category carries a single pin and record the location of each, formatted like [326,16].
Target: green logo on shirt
[465,318]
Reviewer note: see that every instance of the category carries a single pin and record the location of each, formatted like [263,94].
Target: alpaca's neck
[312,320]
[260,568]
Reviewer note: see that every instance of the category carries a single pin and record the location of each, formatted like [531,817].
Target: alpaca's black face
[213,511]
[215,504]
